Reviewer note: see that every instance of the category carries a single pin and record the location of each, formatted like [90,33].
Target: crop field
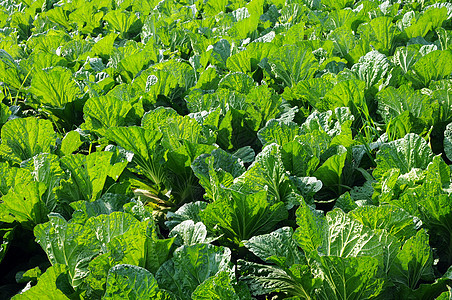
[226,149]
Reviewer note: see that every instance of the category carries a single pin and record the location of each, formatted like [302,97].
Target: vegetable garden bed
[225,149]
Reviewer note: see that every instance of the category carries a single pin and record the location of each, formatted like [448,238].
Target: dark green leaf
[191,266]
[53,284]
[242,216]
[130,282]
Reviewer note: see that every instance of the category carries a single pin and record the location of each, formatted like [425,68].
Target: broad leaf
[157,117]
[10,176]
[137,246]
[312,226]
[171,79]
[311,91]
[344,41]
[10,70]
[347,237]
[293,64]
[278,132]
[264,104]
[406,57]
[219,286]
[123,21]
[433,206]
[70,143]
[330,172]
[380,32]
[242,216]
[105,205]
[25,204]
[433,66]
[130,282]
[268,172]
[238,82]
[350,278]
[46,168]
[276,247]
[414,262]
[430,19]
[297,281]
[393,102]
[191,266]
[143,144]
[347,93]
[24,138]
[54,87]
[393,219]
[302,156]
[189,233]
[338,234]
[107,227]
[53,284]
[247,61]
[188,211]
[448,141]
[105,112]
[88,174]
[404,154]
[69,244]
[371,68]
[216,171]
[333,5]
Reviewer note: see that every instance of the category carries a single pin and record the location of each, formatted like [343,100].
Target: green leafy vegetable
[130,282]
[24,138]
[191,266]
[53,284]
[241,216]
